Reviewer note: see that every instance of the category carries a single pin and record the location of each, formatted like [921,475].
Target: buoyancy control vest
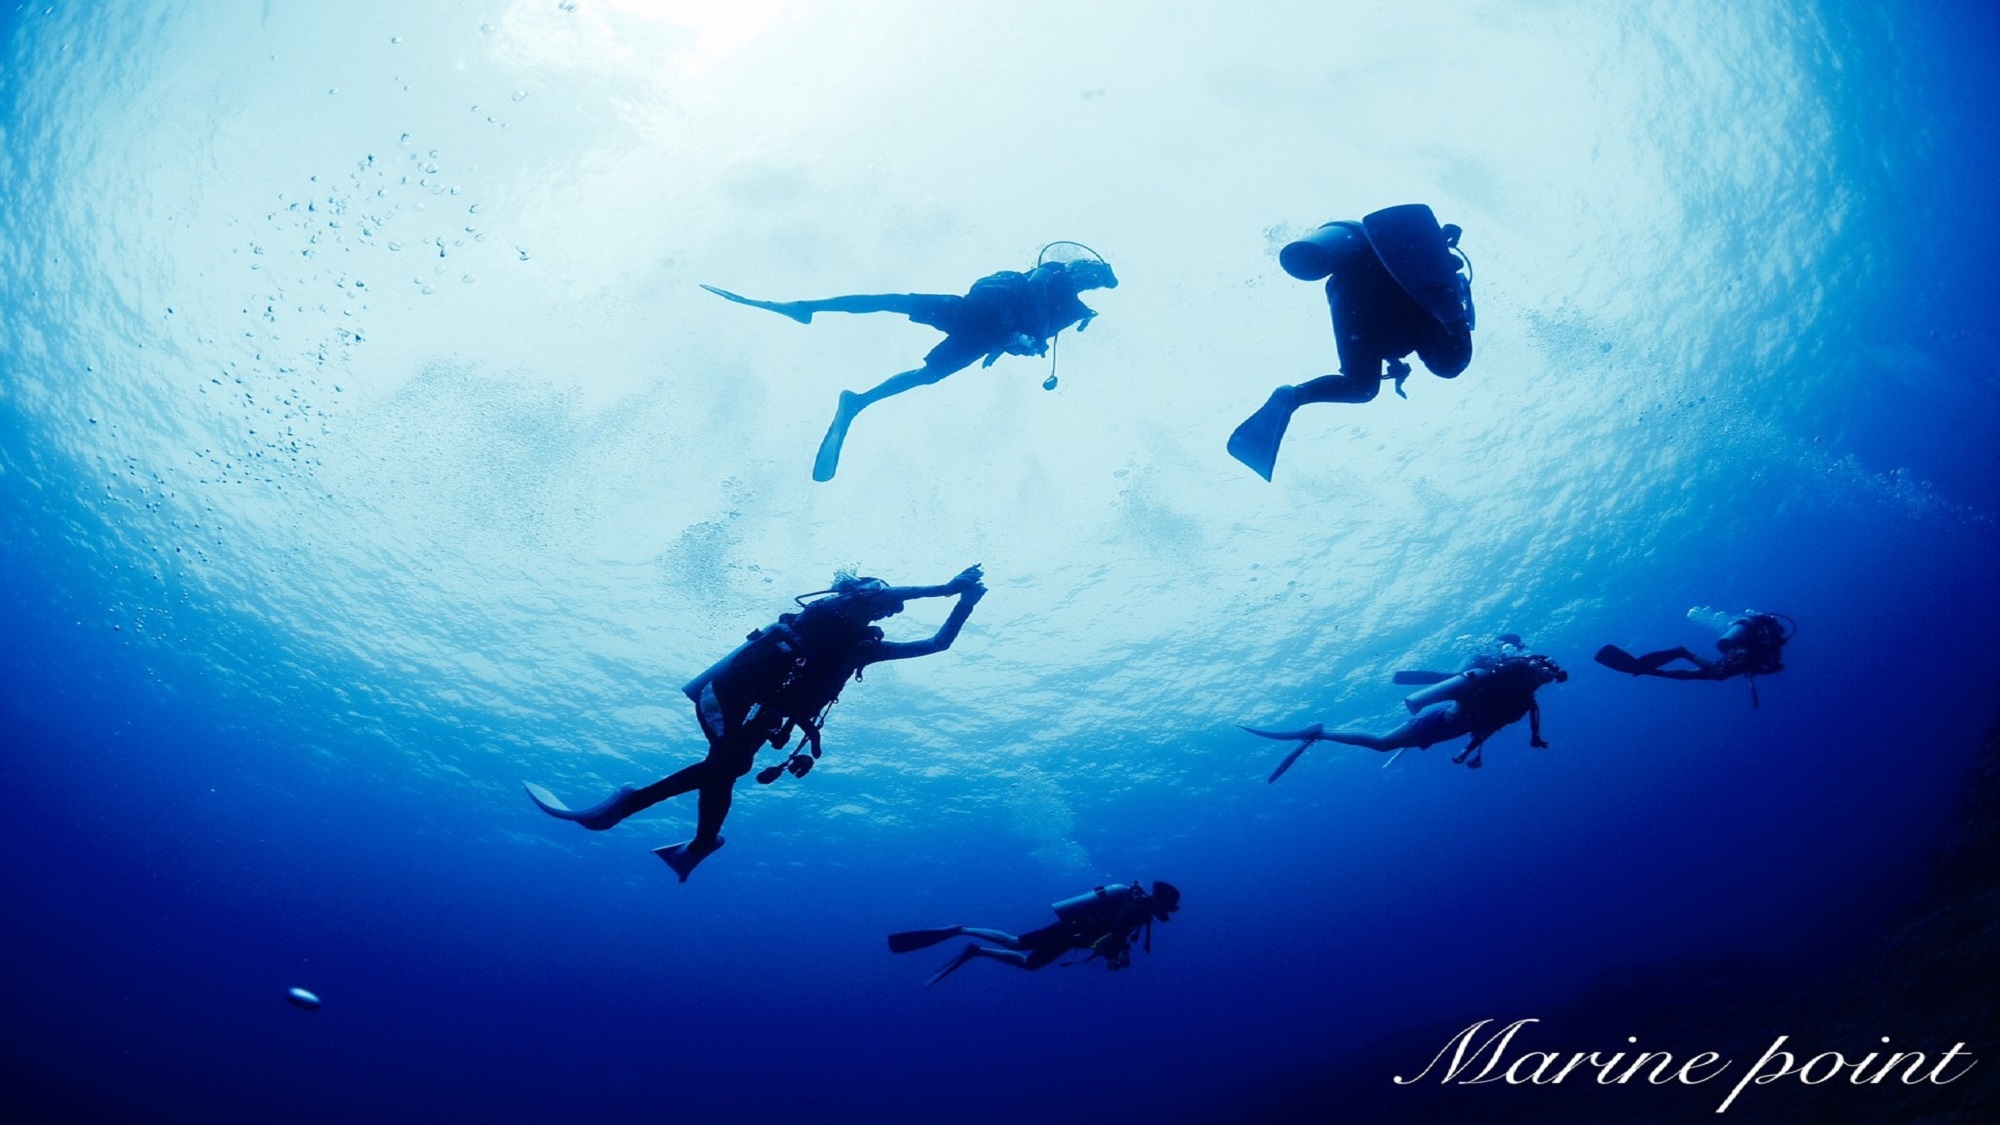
[787,673]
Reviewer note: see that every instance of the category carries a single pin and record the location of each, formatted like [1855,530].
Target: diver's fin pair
[1256,441]
[790,309]
[1618,660]
[911,940]
[828,459]
[1306,737]
[597,817]
[684,858]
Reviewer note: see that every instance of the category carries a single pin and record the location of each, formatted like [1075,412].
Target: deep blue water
[320,538]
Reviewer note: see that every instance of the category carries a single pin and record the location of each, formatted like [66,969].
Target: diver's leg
[954,354]
[1339,388]
[1433,725]
[1012,957]
[623,802]
[1256,441]
[802,311]
[1006,956]
[712,807]
[901,303]
[852,402]
[1385,742]
[728,760]
[997,937]
[1654,664]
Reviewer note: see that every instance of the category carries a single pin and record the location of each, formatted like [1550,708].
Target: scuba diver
[1103,921]
[1493,689]
[1004,313]
[783,678]
[1752,645]
[1393,286]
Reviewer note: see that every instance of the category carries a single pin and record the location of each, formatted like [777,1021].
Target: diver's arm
[1535,726]
[969,593]
[961,582]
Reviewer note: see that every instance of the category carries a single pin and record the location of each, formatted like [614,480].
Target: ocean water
[367,447]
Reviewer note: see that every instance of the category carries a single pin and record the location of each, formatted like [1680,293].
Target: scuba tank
[1445,689]
[1754,630]
[1318,254]
[1071,909]
[773,645]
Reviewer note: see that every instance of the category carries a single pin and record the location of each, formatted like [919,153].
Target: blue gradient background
[366,446]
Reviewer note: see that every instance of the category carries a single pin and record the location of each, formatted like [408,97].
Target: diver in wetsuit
[1104,921]
[784,677]
[1005,313]
[1492,691]
[1393,287]
[1752,645]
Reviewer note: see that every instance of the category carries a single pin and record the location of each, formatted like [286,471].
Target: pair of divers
[1493,689]
[1102,923]
[1752,644]
[1004,313]
[1393,286]
[781,680]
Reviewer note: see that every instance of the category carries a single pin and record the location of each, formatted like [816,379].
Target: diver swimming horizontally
[1752,645]
[1004,313]
[783,678]
[1103,921]
[1393,286]
[1492,690]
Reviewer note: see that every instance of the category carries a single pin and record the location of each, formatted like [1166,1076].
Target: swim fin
[952,966]
[828,458]
[1306,736]
[1415,679]
[1287,763]
[684,858]
[1618,660]
[597,817]
[1256,441]
[1310,734]
[911,940]
[782,308]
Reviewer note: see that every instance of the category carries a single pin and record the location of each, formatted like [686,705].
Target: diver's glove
[1538,742]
